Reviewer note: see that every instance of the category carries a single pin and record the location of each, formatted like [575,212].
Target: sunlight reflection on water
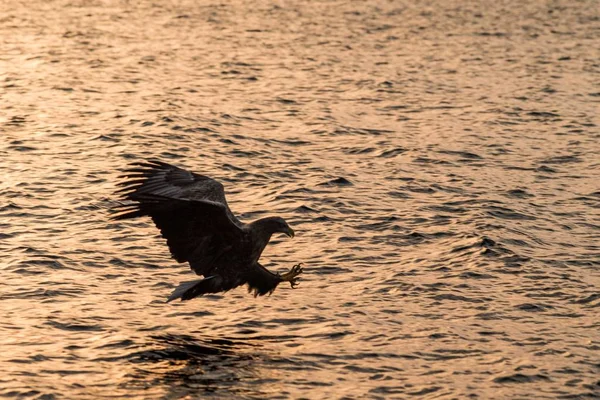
[438,164]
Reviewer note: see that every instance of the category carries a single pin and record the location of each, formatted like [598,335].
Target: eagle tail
[190,289]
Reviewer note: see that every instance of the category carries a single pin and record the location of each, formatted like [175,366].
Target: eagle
[192,214]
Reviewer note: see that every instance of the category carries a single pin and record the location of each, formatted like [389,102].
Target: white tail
[183,287]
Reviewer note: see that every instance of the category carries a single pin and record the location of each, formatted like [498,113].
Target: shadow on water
[199,367]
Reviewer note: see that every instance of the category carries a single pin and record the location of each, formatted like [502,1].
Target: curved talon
[292,275]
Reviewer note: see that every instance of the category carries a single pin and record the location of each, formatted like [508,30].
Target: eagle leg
[292,275]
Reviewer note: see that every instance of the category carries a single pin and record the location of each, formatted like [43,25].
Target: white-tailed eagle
[193,216]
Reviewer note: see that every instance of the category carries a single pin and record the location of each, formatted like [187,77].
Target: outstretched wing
[162,179]
[189,209]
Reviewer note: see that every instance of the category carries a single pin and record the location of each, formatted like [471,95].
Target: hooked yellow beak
[290,232]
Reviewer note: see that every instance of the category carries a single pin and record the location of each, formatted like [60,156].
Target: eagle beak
[290,232]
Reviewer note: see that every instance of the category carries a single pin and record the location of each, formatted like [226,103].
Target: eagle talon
[292,275]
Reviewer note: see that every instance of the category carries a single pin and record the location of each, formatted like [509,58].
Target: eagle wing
[189,209]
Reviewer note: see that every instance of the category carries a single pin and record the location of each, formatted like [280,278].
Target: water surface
[438,161]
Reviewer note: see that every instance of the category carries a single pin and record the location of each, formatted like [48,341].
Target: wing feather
[189,209]
[157,177]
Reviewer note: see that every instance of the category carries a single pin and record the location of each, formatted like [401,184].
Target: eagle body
[192,214]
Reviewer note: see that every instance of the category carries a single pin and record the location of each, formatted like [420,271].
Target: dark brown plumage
[193,216]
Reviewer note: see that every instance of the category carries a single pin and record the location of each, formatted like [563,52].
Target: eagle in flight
[193,216]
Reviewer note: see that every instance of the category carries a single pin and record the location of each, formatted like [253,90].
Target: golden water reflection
[438,164]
